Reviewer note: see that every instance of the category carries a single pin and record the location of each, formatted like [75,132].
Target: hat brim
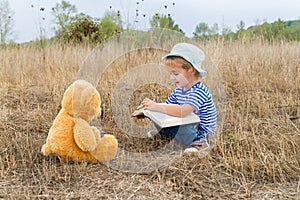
[201,71]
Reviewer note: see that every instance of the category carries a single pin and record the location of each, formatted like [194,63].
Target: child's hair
[184,64]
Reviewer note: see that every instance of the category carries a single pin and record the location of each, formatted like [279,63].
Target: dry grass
[257,155]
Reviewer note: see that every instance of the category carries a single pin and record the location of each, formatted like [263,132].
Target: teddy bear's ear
[90,96]
[68,99]
[86,101]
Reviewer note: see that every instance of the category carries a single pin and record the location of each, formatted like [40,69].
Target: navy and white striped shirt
[199,97]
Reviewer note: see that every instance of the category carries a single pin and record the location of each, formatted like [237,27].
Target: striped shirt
[199,97]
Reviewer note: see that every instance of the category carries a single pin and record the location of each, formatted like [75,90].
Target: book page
[164,120]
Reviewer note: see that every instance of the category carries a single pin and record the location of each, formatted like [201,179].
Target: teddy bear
[71,137]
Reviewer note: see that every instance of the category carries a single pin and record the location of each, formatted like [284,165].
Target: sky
[30,22]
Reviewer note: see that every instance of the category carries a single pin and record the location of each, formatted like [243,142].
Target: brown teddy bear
[71,137]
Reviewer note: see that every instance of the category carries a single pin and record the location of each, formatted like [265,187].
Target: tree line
[74,27]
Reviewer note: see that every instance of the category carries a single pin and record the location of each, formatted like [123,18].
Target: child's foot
[196,147]
[152,133]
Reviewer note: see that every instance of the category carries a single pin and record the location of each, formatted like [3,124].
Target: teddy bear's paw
[97,133]
[46,150]
[106,149]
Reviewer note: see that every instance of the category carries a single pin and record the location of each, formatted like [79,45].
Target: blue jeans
[185,134]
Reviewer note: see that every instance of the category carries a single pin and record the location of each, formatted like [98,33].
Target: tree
[265,31]
[279,29]
[241,26]
[294,30]
[6,21]
[202,30]
[109,25]
[214,30]
[164,21]
[241,32]
[64,14]
[84,28]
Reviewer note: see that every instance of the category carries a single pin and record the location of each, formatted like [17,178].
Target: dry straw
[256,155]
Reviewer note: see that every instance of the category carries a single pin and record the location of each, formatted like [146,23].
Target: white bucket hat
[190,53]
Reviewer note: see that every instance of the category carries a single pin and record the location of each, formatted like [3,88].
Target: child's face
[181,77]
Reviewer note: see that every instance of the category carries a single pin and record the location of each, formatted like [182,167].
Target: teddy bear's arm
[96,131]
[84,135]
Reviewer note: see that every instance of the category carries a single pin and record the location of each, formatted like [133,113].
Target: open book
[164,120]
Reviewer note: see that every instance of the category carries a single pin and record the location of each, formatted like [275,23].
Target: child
[191,95]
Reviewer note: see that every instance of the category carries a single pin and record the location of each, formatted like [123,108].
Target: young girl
[191,95]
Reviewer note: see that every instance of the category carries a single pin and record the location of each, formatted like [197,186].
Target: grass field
[256,156]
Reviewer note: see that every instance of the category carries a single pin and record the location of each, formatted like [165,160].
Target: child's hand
[148,104]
